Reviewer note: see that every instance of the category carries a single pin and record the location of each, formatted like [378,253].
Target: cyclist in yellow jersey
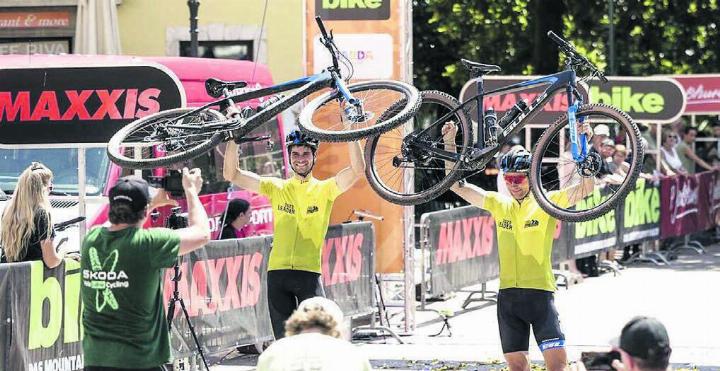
[524,234]
[301,213]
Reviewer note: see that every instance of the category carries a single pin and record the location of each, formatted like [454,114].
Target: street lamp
[193,5]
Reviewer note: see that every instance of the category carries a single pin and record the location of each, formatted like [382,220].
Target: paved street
[684,296]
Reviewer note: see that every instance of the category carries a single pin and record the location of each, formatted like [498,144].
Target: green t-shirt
[687,162]
[124,317]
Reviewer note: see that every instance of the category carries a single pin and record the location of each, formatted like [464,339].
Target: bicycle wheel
[400,170]
[553,169]
[328,119]
[152,141]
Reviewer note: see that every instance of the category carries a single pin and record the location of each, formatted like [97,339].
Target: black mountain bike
[411,165]
[346,113]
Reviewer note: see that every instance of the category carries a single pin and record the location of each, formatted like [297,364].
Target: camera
[599,360]
[171,183]
[176,219]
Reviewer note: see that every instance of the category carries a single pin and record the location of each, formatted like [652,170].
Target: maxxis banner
[348,267]
[224,288]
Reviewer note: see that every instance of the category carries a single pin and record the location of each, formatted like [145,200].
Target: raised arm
[197,233]
[235,175]
[469,192]
[693,156]
[349,175]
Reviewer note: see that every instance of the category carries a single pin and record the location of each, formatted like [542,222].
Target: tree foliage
[651,36]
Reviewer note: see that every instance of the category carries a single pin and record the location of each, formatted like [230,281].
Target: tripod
[176,221]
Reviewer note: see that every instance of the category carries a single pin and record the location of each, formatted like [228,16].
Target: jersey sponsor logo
[287,208]
[505,224]
[103,279]
[532,223]
[312,209]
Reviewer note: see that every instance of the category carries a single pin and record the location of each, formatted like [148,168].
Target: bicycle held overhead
[562,156]
[345,113]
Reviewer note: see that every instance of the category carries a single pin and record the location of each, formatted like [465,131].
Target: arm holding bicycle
[351,174]
[587,184]
[235,175]
[469,192]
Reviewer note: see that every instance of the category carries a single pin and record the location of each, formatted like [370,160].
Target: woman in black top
[26,232]
[236,217]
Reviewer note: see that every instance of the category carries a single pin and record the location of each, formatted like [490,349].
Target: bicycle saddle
[214,87]
[479,67]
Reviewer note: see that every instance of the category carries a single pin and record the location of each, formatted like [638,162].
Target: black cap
[132,191]
[645,338]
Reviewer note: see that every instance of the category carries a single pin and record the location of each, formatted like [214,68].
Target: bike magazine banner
[41,316]
[462,248]
[594,235]
[681,212]
[638,217]
[224,287]
[348,267]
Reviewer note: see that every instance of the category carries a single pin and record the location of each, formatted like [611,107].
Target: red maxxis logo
[464,239]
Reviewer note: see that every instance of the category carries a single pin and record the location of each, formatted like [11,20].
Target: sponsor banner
[715,199]
[462,248]
[598,234]
[80,104]
[706,198]
[43,312]
[638,217]
[371,54]
[702,93]
[556,106]
[346,10]
[348,267]
[680,212]
[224,288]
[645,99]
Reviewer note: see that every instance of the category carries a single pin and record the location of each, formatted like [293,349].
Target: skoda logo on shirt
[505,224]
[531,223]
[104,279]
[312,209]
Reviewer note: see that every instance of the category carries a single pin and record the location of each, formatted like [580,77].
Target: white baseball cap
[601,129]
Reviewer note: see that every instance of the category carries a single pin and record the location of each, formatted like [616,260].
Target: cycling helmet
[517,160]
[298,138]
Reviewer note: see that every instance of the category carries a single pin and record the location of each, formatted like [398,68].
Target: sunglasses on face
[515,178]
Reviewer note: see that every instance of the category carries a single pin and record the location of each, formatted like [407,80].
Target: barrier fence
[223,286]
[463,248]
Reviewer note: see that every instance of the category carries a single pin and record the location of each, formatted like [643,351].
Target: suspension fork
[578,144]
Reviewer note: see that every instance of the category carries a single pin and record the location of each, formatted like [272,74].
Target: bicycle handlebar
[569,50]
[327,41]
[64,225]
[321,26]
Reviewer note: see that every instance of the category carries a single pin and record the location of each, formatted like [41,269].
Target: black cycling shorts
[518,309]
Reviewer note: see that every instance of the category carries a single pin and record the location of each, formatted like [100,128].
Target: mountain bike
[410,165]
[345,113]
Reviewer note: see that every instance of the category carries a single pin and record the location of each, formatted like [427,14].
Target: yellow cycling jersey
[301,214]
[525,236]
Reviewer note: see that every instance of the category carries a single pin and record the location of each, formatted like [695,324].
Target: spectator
[621,167]
[647,134]
[235,219]
[644,345]
[671,163]
[607,150]
[27,231]
[685,152]
[313,342]
[714,152]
